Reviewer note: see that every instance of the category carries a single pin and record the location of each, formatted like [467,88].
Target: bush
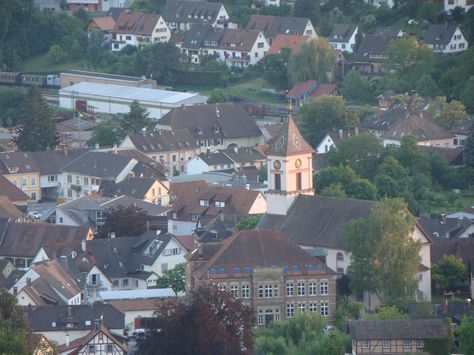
[56,55]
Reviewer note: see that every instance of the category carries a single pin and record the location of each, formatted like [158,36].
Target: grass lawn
[39,65]
[248,90]
[418,30]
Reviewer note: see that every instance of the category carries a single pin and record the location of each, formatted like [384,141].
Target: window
[125,282]
[290,310]
[256,54]
[365,344]
[52,178]
[268,291]
[419,343]
[276,291]
[301,288]
[298,181]
[301,307]
[53,324]
[260,291]
[260,44]
[234,289]
[69,193]
[115,282]
[220,204]
[313,307]
[222,287]
[324,288]
[91,349]
[23,182]
[33,181]
[461,45]
[406,344]
[33,196]
[69,179]
[110,348]
[386,344]
[340,256]
[128,38]
[277,182]
[324,308]
[245,291]
[203,203]
[261,317]
[194,216]
[289,289]
[15,183]
[86,181]
[95,279]
[135,283]
[312,289]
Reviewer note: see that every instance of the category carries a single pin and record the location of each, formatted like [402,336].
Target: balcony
[77,188]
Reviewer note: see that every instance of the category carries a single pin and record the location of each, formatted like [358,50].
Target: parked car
[35,215]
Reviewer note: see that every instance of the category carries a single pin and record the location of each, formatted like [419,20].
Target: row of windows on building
[94,181]
[267,315]
[299,288]
[24,182]
[387,343]
[247,270]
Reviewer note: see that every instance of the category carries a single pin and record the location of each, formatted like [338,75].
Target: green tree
[392,179]
[467,97]
[96,52]
[313,61]
[275,69]
[323,115]
[357,87]
[38,131]
[384,257]
[388,313]
[56,55]
[448,114]
[13,325]
[360,152]
[174,278]
[11,102]
[469,148]
[137,119]
[216,96]
[308,8]
[250,222]
[107,133]
[333,190]
[124,222]
[449,273]
[466,335]
[426,86]
[165,63]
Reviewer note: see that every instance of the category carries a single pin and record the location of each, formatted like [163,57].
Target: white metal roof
[129,93]
[134,294]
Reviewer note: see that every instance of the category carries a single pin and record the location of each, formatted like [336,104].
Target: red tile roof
[106,23]
[324,89]
[292,42]
[11,191]
[301,88]
[136,23]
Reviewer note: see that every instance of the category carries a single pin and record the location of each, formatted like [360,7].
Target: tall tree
[469,148]
[467,97]
[275,69]
[107,133]
[164,63]
[208,321]
[137,119]
[426,86]
[124,222]
[13,325]
[216,96]
[449,273]
[38,131]
[384,257]
[314,61]
[357,87]
[447,114]
[308,8]
[174,278]
[323,115]
[466,335]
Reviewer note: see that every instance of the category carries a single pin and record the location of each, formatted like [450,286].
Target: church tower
[289,168]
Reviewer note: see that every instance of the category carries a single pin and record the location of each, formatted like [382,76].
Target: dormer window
[194,216]
[220,204]
[175,215]
[203,203]
[153,247]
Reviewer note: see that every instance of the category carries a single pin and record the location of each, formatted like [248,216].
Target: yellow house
[21,170]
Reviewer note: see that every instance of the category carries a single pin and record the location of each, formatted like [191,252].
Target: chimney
[67,338]
[341,134]
[83,246]
[356,130]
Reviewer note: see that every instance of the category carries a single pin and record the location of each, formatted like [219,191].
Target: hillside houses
[271,26]
[445,39]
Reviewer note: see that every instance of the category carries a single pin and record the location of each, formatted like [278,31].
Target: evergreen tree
[137,119]
[469,148]
[38,132]
[467,96]
[13,325]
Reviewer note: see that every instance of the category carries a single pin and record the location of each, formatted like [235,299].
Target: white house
[445,39]
[260,3]
[450,5]
[135,29]
[343,37]
[378,3]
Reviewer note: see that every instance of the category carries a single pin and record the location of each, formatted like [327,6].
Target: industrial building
[113,99]
[72,77]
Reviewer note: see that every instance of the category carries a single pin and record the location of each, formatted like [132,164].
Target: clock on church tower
[289,168]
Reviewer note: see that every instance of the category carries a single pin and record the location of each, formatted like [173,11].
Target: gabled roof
[372,49]
[450,228]
[212,121]
[398,329]
[82,317]
[289,141]
[244,155]
[301,89]
[163,141]
[274,25]
[462,128]
[51,162]
[292,42]
[135,23]
[150,209]
[136,187]
[325,90]
[8,209]
[191,11]
[99,164]
[439,34]
[199,34]
[318,221]
[216,158]
[260,248]
[342,33]
[239,39]
[11,191]
[17,163]
[105,23]
[26,239]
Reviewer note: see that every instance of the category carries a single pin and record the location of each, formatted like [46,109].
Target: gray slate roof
[41,318]
[163,141]
[274,25]
[51,162]
[191,11]
[98,164]
[398,329]
[342,33]
[318,221]
[199,34]
[439,34]
[135,187]
[216,158]
[371,48]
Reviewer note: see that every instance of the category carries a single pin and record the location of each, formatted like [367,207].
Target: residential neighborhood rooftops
[292,42]
[11,191]
[135,23]
[191,11]
[163,141]
[398,329]
[274,25]
[239,39]
[17,162]
[104,23]
[51,161]
[372,49]
[439,34]
[342,32]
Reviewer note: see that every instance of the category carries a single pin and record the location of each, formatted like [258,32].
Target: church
[316,222]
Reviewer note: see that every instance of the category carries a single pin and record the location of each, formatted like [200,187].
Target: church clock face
[298,163]
[277,164]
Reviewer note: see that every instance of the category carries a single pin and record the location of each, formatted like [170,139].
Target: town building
[268,272]
[445,39]
[378,3]
[113,99]
[181,15]
[332,139]
[450,5]
[72,77]
[461,131]
[303,92]
[343,37]
[171,148]
[138,29]
[395,336]
[21,169]
[214,126]
[292,42]
[104,24]
[257,4]
[370,55]
[13,193]
[271,26]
